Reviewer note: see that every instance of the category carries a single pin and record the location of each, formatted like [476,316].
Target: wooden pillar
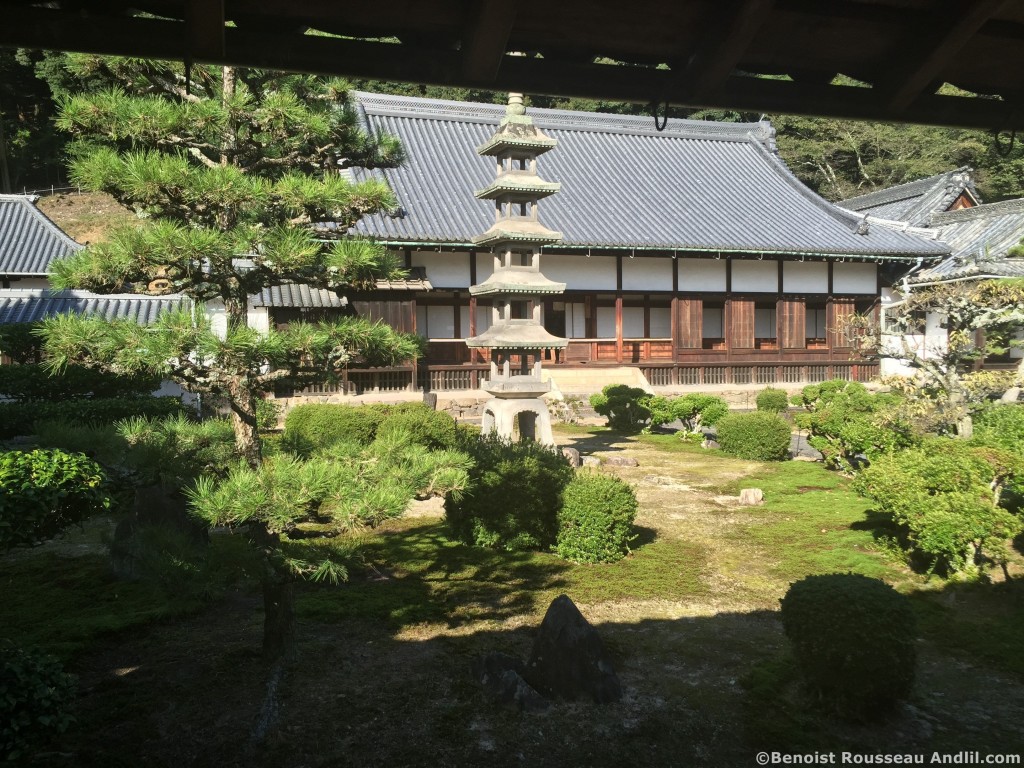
[618,328]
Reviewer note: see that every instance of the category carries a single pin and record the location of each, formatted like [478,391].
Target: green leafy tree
[980,319]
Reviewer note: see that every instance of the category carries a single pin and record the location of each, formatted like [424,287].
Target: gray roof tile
[697,186]
[27,306]
[915,201]
[29,241]
[298,295]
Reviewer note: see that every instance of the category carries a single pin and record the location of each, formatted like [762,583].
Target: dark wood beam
[34,27]
[931,54]
[204,20]
[727,33]
[484,43]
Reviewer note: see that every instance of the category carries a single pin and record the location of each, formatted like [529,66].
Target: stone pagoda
[516,338]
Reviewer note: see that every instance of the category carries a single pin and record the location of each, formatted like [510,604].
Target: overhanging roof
[29,241]
[695,186]
[688,52]
[915,201]
[29,306]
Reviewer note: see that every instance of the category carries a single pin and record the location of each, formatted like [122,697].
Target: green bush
[853,639]
[35,700]
[1001,426]
[513,495]
[432,429]
[699,410]
[772,400]
[760,436]
[20,342]
[845,421]
[35,382]
[268,414]
[19,418]
[945,497]
[317,425]
[624,406]
[45,491]
[596,521]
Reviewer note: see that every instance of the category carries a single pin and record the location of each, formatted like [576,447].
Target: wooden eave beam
[723,43]
[162,39]
[485,40]
[938,49]
[204,21]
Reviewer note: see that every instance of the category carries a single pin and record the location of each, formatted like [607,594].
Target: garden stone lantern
[517,338]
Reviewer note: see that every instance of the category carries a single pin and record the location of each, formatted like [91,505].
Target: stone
[573,456]
[621,461]
[1012,395]
[430,400]
[568,659]
[501,675]
[590,461]
[751,497]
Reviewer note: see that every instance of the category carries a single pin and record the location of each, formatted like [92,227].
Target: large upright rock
[568,658]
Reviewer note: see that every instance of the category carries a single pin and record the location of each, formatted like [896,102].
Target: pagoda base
[499,416]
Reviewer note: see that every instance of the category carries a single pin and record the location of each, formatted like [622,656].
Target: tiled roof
[915,201]
[297,295]
[29,241]
[26,306]
[695,186]
[980,238]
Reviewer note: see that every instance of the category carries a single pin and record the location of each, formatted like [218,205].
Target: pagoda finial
[515,104]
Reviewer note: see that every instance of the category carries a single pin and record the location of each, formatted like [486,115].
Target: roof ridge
[905,190]
[1015,205]
[29,202]
[565,119]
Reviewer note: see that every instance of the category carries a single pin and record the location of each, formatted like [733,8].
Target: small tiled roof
[27,306]
[695,186]
[29,241]
[297,295]
[915,201]
[980,239]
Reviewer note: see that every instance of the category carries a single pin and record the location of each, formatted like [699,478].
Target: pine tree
[237,174]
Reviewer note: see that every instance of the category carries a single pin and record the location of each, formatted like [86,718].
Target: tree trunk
[278,594]
[229,139]
[243,421]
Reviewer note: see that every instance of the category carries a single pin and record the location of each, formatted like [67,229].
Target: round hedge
[772,400]
[760,436]
[424,426]
[596,520]
[853,639]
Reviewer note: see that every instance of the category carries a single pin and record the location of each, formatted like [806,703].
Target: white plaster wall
[855,278]
[218,317]
[661,323]
[259,318]
[575,320]
[632,323]
[30,284]
[755,276]
[803,277]
[701,275]
[484,266]
[580,272]
[647,274]
[444,269]
[605,322]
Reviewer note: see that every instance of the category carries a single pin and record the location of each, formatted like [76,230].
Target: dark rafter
[954,24]
[894,45]
[483,46]
[722,44]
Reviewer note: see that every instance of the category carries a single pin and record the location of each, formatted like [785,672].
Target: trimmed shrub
[772,400]
[36,382]
[944,496]
[19,418]
[853,640]
[20,343]
[1001,426]
[36,695]
[624,406]
[432,429]
[513,496]
[268,414]
[760,436]
[596,520]
[46,491]
[699,410]
[317,425]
